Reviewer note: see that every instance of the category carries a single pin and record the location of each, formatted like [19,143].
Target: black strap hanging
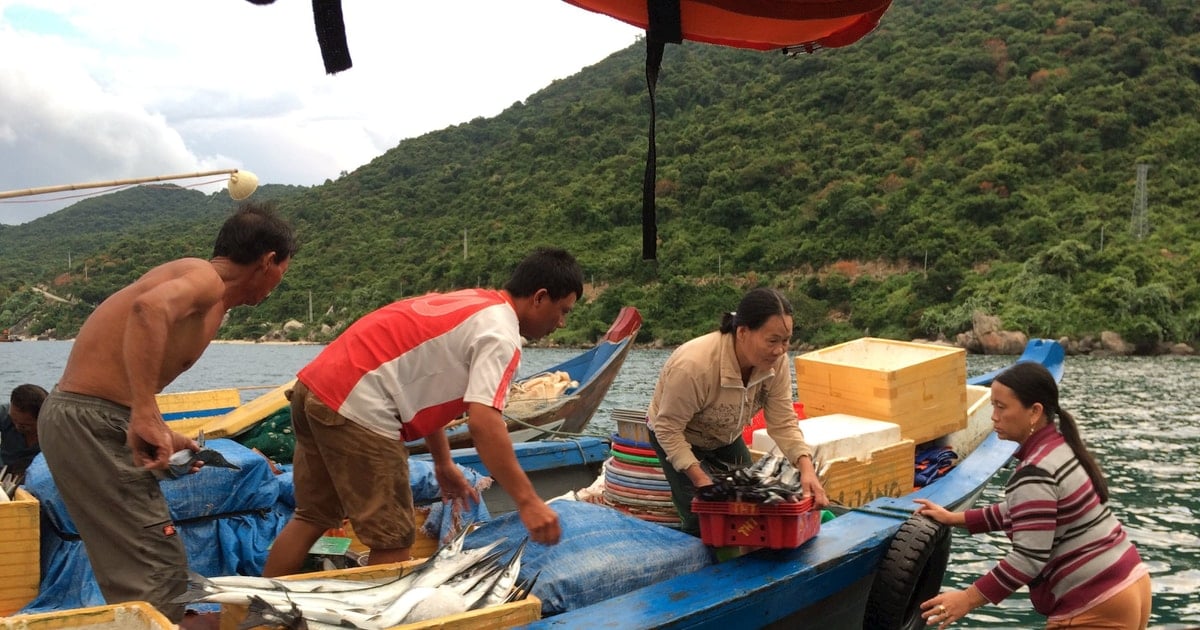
[664,27]
[331,35]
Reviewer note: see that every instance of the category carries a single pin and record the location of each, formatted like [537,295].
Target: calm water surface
[1137,415]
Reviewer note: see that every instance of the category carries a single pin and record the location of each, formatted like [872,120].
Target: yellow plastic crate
[494,618]
[20,569]
[126,616]
[921,387]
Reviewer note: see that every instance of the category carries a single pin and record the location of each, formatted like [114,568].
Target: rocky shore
[987,337]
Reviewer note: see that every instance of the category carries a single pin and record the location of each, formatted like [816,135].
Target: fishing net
[273,437]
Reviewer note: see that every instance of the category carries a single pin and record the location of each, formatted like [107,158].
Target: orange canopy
[758,24]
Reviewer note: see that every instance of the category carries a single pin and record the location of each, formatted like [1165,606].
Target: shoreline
[1070,346]
[255,342]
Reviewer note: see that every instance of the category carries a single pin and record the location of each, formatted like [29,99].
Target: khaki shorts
[1128,609]
[117,507]
[343,470]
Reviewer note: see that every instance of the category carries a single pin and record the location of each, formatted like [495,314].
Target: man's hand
[541,521]
[152,443]
[455,488]
[149,438]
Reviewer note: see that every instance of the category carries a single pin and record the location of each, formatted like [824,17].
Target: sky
[94,91]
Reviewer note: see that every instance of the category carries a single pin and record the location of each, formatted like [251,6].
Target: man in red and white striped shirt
[402,373]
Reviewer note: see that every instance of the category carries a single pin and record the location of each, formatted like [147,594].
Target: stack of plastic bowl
[633,476]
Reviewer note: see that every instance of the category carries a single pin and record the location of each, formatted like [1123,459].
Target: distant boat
[6,337]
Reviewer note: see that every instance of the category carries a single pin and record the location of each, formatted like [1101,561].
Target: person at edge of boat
[104,438]
[402,373]
[18,427]
[711,387]
[1068,548]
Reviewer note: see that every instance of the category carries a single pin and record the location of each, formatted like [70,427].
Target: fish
[771,479]
[452,580]
[446,596]
[486,586]
[260,614]
[506,582]
[180,462]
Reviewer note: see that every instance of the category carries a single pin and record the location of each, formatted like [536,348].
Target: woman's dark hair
[1033,383]
[554,270]
[252,231]
[28,398]
[755,309]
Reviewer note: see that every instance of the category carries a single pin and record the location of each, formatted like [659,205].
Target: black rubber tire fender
[910,572]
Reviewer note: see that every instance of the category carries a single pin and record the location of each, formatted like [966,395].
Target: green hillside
[965,156]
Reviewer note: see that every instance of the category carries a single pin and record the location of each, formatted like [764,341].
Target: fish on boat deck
[450,581]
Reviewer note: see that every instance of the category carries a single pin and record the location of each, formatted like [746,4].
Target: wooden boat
[220,412]
[870,566]
[593,370]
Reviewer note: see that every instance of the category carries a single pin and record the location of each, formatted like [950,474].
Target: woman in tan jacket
[711,387]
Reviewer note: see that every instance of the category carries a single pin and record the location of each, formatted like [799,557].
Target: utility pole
[464,243]
[1139,224]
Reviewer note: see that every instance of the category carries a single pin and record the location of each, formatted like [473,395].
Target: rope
[554,432]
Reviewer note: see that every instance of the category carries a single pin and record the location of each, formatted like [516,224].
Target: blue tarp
[227,520]
[603,553]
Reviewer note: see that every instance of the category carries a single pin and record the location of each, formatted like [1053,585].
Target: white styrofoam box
[839,435]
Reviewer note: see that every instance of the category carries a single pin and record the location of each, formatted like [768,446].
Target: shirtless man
[101,430]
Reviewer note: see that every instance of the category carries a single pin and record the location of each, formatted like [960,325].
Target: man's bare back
[176,306]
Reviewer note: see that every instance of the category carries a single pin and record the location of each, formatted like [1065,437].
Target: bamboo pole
[241,183]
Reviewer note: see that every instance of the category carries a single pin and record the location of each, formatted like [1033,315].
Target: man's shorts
[342,470]
[117,507]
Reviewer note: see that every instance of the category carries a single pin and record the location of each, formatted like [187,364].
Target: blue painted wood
[540,455]
[1045,351]
[822,583]
[197,413]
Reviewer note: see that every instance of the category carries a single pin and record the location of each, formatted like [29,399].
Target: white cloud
[93,91]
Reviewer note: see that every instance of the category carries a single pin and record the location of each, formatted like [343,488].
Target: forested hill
[965,156]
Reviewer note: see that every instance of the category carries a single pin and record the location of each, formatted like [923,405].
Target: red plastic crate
[771,525]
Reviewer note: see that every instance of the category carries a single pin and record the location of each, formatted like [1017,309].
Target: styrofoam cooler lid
[839,435]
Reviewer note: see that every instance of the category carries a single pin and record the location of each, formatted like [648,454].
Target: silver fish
[452,580]
[260,614]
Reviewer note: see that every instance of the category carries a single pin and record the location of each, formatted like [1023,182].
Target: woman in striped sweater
[1068,548]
